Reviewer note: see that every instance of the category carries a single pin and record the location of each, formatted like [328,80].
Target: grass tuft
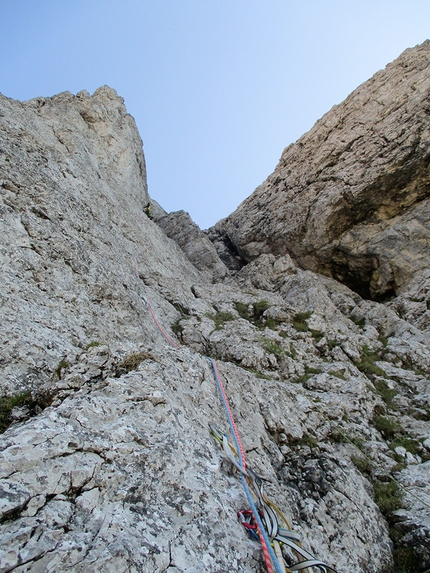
[132,361]
[299,321]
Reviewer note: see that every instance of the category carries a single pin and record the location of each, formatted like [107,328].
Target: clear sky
[218,88]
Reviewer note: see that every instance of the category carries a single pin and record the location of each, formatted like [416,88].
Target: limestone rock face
[108,464]
[197,247]
[350,199]
[75,241]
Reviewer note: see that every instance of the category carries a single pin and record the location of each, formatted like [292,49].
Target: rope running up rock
[264,520]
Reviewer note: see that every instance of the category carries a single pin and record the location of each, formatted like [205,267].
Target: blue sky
[218,88]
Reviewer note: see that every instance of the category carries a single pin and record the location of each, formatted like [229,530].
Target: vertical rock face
[107,463]
[350,198]
[73,187]
[196,245]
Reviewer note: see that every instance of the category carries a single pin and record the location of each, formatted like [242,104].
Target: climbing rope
[261,522]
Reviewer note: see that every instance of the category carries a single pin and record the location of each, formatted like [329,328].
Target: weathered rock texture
[108,464]
[197,247]
[350,199]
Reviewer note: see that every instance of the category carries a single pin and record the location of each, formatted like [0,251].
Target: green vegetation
[386,393]
[293,351]
[309,371]
[220,318]
[404,559]
[338,374]
[420,413]
[92,344]
[34,405]
[410,444]
[177,328]
[308,440]
[61,366]
[258,374]
[299,321]
[383,340]
[242,310]
[7,404]
[256,315]
[272,346]
[259,308]
[387,426]
[361,322]
[183,311]
[317,334]
[331,343]
[388,496]
[367,362]
[363,464]
[337,436]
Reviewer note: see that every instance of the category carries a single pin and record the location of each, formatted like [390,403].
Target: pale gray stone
[111,465]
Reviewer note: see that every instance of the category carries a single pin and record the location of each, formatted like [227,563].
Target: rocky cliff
[107,460]
[350,199]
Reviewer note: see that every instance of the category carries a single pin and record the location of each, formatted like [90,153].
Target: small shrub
[242,310]
[183,311]
[363,465]
[61,366]
[357,441]
[309,372]
[34,404]
[309,440]
[177,328]
[220,318]
[337,436]
[387,426]
[386,393]
[388,496]
[271,323]
[338,374]
[405,559]
[299,321]
[317,334]
[367,362]
[258,374]
[422,413]
[293,352]
[92,344]
[361,322]
[7,404]
[410,445]
[383,340]
[272,346]
[259,308]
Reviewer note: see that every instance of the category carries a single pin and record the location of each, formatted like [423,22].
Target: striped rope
[269,555]
[160,327]
[268,552]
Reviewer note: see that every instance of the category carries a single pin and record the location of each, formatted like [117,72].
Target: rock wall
[350,199]
[196,245]
[108,464]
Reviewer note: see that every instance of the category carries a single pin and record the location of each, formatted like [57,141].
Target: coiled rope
[265,542]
